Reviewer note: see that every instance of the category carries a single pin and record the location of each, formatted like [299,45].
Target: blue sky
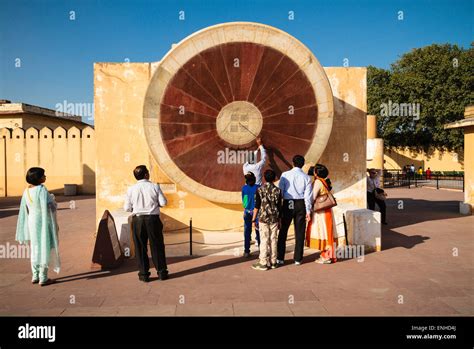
[57,54]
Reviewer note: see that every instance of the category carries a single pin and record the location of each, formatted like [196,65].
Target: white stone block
[364,228]
[339,212]
[123,229]
[465,208]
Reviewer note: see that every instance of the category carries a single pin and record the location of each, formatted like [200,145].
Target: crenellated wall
[68,156]
[436,160]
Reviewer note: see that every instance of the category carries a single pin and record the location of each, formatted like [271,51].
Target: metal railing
[438,180]
[191,241]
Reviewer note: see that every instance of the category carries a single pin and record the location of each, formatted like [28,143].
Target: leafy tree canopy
[423,90]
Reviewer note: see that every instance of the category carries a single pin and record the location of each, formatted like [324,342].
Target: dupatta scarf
[38,225]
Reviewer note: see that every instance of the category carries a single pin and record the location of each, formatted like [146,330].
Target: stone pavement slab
[222,309]
[262,309]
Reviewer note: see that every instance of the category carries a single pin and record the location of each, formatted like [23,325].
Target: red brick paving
[416,266]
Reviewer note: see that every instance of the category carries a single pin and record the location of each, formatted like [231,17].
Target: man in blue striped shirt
[297,192]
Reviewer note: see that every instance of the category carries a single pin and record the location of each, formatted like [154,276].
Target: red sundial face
[222,98]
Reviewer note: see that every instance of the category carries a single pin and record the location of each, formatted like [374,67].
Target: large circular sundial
[218,89]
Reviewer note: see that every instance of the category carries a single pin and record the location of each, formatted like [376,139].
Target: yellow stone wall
[371,126]
[345,153]
[375,153]
[436,160]
[395,159]
[119,91]
[67,156]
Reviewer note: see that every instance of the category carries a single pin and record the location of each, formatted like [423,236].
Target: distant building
[13,115]
[32,136]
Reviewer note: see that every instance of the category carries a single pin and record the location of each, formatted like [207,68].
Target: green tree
[438,79]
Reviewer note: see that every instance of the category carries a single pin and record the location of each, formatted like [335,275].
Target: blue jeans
[248,214]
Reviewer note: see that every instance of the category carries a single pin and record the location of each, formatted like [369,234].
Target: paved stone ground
[415,274]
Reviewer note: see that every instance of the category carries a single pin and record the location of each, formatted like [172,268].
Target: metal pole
[191,236]
[437,181]
[345,228]
[463,182]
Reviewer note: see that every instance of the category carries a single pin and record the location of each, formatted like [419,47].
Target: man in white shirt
[144,199]
[297,193]
[373,184]
[256,167]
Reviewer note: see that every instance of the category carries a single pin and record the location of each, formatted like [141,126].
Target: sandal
[35,281]
[323,261]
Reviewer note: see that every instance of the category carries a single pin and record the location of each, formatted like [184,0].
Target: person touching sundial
[256,167]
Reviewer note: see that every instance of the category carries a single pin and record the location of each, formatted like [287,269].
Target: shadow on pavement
[404,211]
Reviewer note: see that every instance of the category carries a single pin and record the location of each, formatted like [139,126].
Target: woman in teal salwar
[37,224]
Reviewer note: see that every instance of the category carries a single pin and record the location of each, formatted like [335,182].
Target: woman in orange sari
[320,233]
